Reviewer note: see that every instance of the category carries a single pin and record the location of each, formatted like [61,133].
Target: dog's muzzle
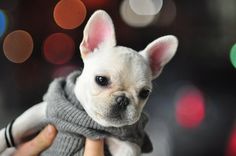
[120,106]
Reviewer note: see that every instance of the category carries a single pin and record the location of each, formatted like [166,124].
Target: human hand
[45,138]
[37,145]
[94,147]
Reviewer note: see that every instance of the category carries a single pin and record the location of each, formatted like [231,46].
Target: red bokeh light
[58,48]
[190,108]
[231,149]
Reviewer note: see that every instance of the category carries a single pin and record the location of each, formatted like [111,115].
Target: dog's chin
[115,122]
[112,121]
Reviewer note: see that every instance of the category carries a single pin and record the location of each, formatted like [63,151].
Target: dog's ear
[159,52]
[99,29]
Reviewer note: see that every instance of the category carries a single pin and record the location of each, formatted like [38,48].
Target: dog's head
[116,81]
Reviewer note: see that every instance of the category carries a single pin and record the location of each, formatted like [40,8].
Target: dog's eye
[144,93]
[102,80]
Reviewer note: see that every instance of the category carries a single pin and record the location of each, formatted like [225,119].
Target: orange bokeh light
[58,48]
[69,14]
[18,46]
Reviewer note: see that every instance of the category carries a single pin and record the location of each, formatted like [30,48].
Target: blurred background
[193,105]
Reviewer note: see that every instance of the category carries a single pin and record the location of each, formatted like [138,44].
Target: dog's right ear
[98,30]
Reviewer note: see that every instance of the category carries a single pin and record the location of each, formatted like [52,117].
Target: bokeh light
[146,7]
[190,108]
[231,149]
[18,46]
[233,55]
[58,48]
[3,23]
[64,71]
[95,3]
[69,14]
[133,19]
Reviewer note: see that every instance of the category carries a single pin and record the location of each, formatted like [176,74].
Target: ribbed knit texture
[74,125]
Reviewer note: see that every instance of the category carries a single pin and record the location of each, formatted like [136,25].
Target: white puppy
[113,87]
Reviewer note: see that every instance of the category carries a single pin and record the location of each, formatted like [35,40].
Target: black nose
[122,102]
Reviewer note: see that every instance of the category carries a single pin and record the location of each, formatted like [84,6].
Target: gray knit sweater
[74,125]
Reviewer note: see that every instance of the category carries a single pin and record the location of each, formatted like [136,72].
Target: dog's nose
[122,102]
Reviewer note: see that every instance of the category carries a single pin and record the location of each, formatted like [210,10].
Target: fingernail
[50,130]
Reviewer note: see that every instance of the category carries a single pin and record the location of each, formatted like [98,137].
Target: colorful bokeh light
[18,46]
[58,48]
[146,7]
[69,14]
[231,149]
[190,108]
[133,19]
[3,23]
[233,55]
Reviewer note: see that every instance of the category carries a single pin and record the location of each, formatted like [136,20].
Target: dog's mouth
[113,119]
[111,116]
[116,114]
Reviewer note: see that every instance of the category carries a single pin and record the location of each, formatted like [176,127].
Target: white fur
[118,147]
[128,71]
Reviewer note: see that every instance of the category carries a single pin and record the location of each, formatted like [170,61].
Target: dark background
[206,30]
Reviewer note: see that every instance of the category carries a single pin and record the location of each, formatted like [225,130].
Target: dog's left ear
[159,52]
[98,30]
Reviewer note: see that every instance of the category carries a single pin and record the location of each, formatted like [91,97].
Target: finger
[94,147]
[40,143]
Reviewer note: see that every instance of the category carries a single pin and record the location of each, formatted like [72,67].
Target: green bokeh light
[233,55]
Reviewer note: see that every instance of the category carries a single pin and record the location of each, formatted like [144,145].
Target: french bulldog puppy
[113,87]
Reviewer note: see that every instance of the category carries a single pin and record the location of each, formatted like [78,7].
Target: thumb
[40,143]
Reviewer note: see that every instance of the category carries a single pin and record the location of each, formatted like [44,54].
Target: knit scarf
[74,125]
